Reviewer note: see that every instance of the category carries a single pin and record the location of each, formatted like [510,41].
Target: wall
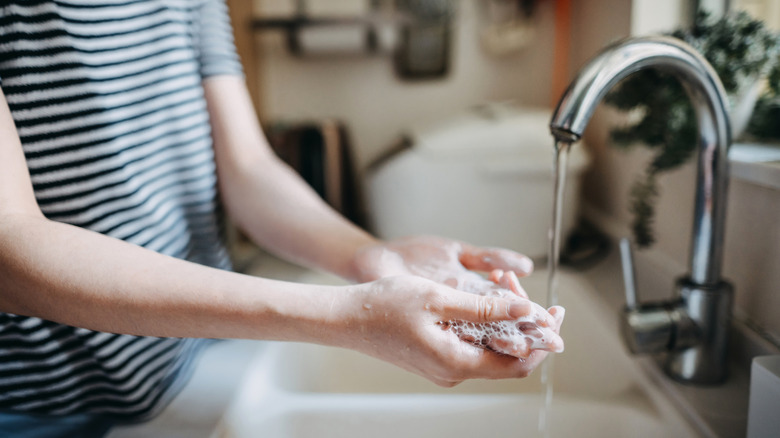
[752,247]
[364,91]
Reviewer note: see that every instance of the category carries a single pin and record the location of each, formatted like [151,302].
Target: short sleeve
[214,40]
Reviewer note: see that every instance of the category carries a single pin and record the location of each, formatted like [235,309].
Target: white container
[484,177]
[764,404]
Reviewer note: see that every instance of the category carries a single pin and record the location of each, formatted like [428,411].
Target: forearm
[84,279]
[268,200]
[279,212]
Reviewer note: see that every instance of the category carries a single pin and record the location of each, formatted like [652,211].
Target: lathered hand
[447,262]
[453,264]
[398,319]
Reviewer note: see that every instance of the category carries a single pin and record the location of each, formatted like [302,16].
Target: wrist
[369,261]
[325,315]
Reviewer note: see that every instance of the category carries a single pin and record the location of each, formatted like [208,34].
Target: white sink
[445,416]
[300,390]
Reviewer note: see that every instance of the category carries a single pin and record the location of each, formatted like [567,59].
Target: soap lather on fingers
[538,330]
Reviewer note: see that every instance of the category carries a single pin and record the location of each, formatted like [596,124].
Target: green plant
[764,123]
[741,50]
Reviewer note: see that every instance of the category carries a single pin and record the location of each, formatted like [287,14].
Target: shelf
[300,21]
[756,163]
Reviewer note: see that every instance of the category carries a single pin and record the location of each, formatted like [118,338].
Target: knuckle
[432,301]
[432,295]
[486,309]
[482,309]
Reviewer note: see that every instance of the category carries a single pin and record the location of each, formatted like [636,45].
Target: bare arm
[282,213]
[266,198]
[81,278]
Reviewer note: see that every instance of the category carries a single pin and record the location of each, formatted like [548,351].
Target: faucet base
[709,309]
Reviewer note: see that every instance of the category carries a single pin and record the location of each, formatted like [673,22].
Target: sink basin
[447,416]
[301,390]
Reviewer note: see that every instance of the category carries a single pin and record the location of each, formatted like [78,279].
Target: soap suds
[517,337]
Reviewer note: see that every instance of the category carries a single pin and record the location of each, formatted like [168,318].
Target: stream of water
[553,257]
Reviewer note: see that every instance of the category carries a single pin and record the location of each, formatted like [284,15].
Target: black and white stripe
[107,99]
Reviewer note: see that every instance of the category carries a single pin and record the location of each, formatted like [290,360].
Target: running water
[553,257]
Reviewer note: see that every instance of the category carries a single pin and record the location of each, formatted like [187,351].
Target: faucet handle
[629,275]
[645,328]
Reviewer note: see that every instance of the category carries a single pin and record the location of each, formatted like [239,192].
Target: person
[125,132]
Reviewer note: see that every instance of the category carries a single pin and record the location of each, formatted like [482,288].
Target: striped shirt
[107,99]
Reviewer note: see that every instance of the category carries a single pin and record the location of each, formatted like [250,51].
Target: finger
[558,314]
[519,341]
[530,337]
[475,308]
[534,360]
[510,281]
[507,280]
[471,282]
[517,349]
[551,341]
[479,363]
[496,275]
[487,259]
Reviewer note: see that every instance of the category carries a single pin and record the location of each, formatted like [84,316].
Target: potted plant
[744,53]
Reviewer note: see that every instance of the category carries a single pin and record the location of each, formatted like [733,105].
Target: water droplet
[427,306]
[367,306]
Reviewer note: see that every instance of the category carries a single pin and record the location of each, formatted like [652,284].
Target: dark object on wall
[375,29]
[320,152]
[424,50]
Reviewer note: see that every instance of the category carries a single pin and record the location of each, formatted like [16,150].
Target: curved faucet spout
[709,101]
[693,327]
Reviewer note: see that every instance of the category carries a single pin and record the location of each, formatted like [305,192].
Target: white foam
[519,337]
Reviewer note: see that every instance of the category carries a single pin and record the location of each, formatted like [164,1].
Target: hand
[447,262]
[397,319]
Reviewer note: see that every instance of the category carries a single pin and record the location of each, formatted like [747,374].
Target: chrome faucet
[693,327]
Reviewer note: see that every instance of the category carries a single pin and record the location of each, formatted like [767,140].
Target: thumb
[476,308]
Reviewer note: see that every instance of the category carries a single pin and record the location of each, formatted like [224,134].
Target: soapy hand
[447,262]
[453,264]
[400,320]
